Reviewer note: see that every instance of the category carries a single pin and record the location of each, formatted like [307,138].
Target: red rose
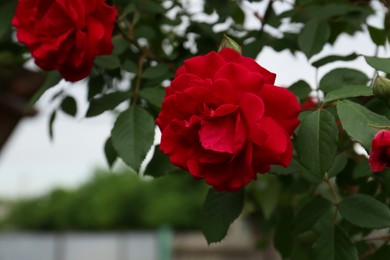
[65,35]
[380,151]
[222,119]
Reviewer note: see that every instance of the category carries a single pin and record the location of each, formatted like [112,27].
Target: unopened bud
[381,87]
[228,42]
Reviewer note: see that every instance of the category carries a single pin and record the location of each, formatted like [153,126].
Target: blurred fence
[161,245]
[26,246]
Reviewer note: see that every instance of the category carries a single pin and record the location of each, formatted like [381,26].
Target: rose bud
[381,87]
[224,120]
[380,151]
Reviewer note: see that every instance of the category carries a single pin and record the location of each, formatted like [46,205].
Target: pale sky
[31,164]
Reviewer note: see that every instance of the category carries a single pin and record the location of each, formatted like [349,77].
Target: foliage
[109,201]
[151,40]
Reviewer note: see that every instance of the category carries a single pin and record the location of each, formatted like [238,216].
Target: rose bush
[380,151]
[222,119]
[65,35]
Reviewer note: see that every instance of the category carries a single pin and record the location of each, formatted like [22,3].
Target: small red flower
[65,35]
[223,120]
[380,151]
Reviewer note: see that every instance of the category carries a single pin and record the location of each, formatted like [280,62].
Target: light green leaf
[310,214]
[313,37]
[220,209]
[348,92]
[132,136]
[338,78]
[365,211]
[317,142]
[356,121]
[382,64]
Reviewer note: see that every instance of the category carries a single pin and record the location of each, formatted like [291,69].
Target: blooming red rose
[65,35]
[380,151]
[222,119]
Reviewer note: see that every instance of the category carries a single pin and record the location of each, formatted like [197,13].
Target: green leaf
[381,254]
[348,92]
[337,78]
[53,78]
[132,136]
[313,37]
[69,106]
[159,165]
[268,194]
[301,89]
[106,102]
[7,10]
[378,36]
[339,164]
[332,58]
[310,214]
[154,96]
[95,86]
[283,233]
[220,209]
[109,62]
[317,142]
[156,71]
[51,123]
[333,243]
[365,211]
[382,64]
[110,152]
[356,120]
[361,170]
[130,66]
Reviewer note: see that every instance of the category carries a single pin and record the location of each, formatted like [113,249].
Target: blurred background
[59,200]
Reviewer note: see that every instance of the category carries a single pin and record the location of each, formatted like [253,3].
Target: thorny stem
[335,196]
[136,89]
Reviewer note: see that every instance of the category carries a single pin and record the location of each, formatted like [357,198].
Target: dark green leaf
[110,152]
[382,64]
[51,123]
[159,165]
[220,209]
[361,170]
[7,10]
[317,142]
[132,136]
[310,214]
[348,92]
[95,86]
[53,78]
[238,15]
[337,78]
[109,62]
[381,254]
[365,211]
[130,66]
[120,46]
[332,58]
[334,244]
[154,96]
[106,102]
[156,71]
[283,233]
[301,89]
[69,106]
[378,36]
[313,37]
[356,119]
[339,164]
